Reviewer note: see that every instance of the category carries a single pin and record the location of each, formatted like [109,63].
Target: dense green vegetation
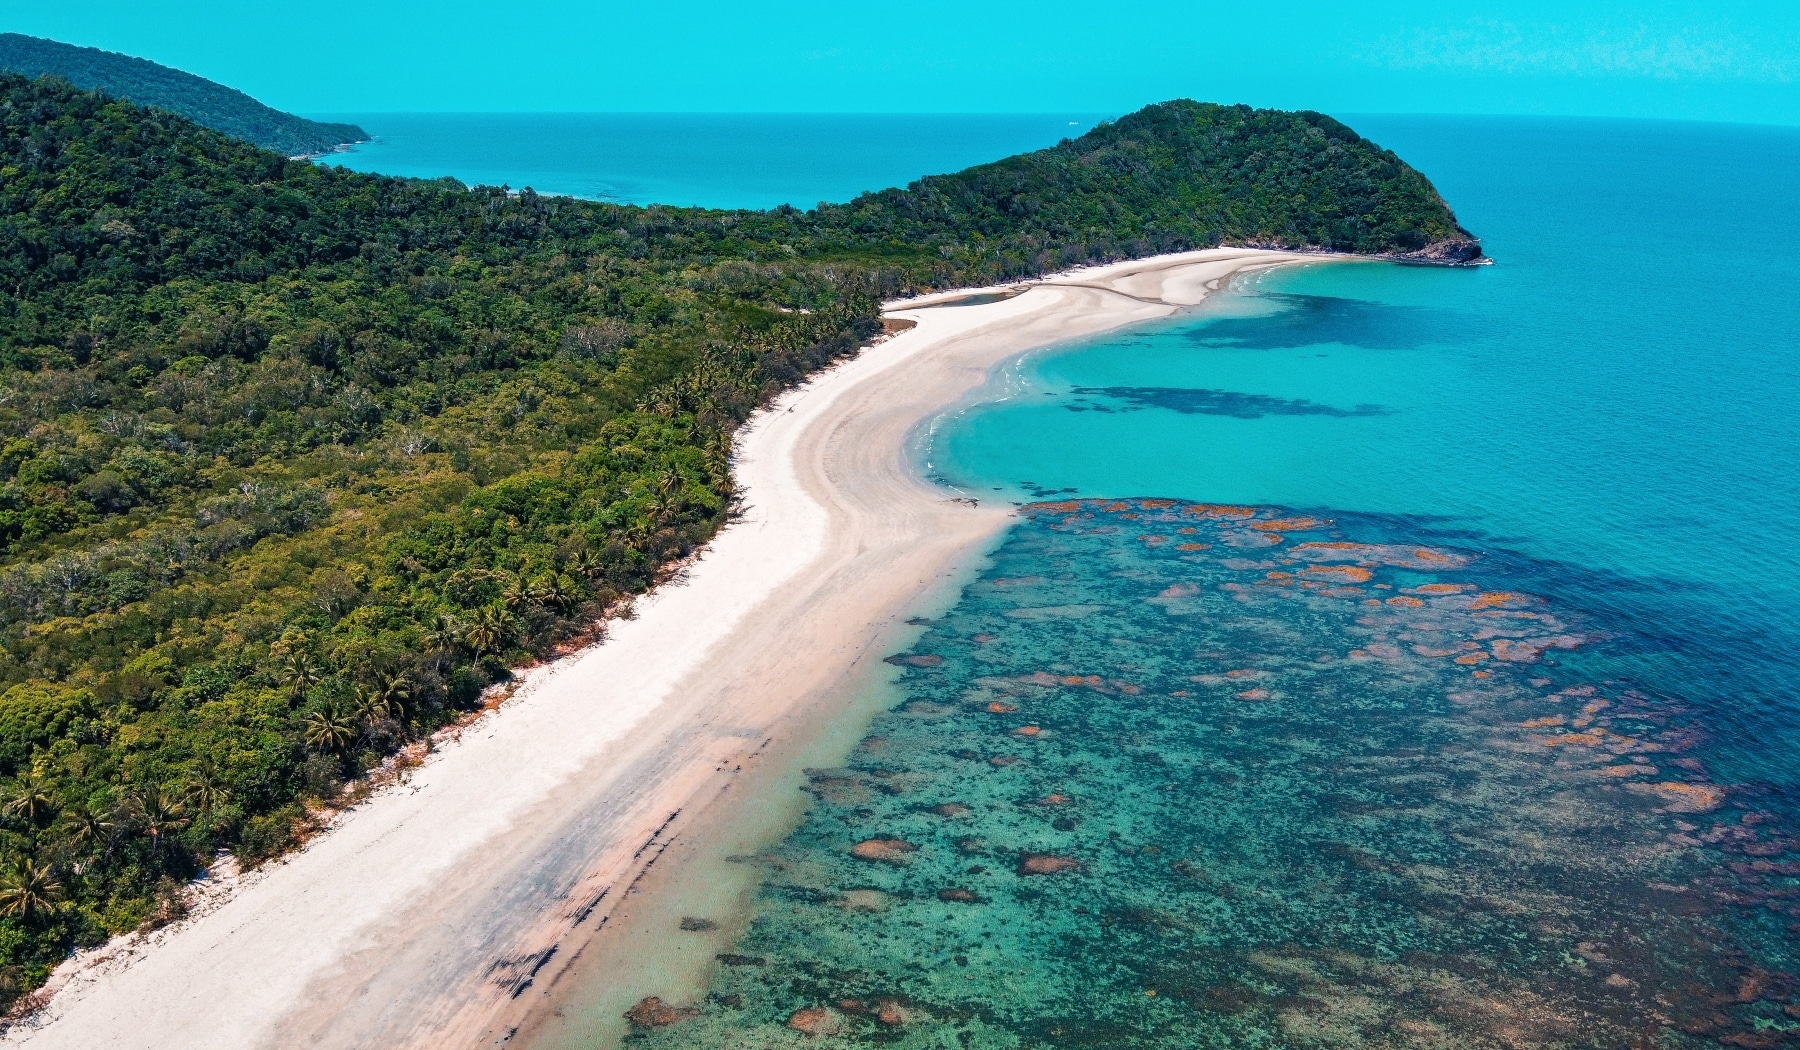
[196,98]
[295,462]
[1170,177]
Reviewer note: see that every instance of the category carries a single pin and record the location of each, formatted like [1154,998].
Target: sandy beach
[441,911]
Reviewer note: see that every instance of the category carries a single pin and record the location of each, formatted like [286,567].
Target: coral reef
[1267,794]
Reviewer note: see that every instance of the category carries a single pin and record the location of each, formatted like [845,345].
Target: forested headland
[196,98]
[295,462]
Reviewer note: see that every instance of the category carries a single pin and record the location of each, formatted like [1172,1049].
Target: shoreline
[431,910]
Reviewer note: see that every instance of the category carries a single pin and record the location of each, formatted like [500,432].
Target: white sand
[413,920]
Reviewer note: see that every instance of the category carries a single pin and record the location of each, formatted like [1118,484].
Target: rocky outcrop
[1457,251]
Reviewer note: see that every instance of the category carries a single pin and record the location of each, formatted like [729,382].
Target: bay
[715,160]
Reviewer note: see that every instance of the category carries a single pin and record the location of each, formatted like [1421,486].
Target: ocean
[713,160]
[1382,656]
[1609,402]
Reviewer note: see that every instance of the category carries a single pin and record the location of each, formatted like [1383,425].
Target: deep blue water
[732,160]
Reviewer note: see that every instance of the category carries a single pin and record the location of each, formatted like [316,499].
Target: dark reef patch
[1311,320]
[1204,402]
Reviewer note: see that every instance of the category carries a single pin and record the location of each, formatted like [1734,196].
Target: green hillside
[1171,177]
[196,98]
[295,461]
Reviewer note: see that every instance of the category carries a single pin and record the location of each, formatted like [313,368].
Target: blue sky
[1720,60]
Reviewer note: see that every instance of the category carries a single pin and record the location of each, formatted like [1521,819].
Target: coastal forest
[296,463]
[196,98]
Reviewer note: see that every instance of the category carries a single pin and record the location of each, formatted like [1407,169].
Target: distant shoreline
[342,147]
[456,908]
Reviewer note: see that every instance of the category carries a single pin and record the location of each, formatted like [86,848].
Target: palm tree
[386,698]
[87,826]
[586,561]
[394,689]
[442,638]
[162,816]
[28,888]
[669,495]
[206,790]
[518,594]
[490,630]
[638,531]
[367,704]
[34,799]
[370,712]
[300,672]
[329,729]
[557,592]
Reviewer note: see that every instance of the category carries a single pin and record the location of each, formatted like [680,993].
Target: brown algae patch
[1680,797]
[652,1012]
[1290,525]
[1046,864]
[1339,573]
[891,851]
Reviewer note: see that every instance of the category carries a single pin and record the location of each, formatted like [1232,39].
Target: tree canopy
[196,98]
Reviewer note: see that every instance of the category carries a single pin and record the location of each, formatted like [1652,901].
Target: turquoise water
[1177,775]
[1615,400]
[733,160]
[1462,713]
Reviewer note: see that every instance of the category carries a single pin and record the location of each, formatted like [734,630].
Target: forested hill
[1176,176]
[196,98]
[294,462]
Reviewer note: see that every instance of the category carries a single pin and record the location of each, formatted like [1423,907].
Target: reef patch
[1298,780]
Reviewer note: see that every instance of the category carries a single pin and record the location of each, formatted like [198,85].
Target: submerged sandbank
[430,914]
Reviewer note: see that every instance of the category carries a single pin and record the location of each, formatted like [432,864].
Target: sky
[1736,60]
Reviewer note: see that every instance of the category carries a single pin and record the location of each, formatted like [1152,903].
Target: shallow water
[1182,775]
[1616,397]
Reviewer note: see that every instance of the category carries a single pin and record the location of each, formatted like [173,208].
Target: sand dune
[419,918]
